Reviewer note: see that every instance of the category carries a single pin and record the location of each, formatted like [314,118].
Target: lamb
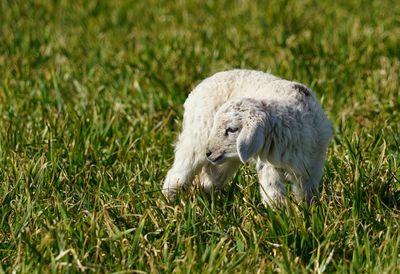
[241,116]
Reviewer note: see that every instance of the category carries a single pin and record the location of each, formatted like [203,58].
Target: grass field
[91,101]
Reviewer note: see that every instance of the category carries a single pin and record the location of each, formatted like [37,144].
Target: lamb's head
[238,131]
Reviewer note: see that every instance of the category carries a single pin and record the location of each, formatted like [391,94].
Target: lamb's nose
[208,153]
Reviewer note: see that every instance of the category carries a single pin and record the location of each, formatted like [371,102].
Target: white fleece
[244,115]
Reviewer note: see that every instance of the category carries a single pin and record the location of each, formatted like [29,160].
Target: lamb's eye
[230,130]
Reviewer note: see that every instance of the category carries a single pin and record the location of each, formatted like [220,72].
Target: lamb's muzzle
[215,160]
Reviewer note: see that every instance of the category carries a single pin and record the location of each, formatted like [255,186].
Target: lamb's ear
[250,140]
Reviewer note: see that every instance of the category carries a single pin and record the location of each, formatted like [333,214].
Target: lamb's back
[215,90]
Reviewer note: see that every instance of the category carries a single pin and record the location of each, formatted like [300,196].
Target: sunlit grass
[91,101]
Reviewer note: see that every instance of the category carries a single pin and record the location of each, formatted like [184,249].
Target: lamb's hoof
[169,194]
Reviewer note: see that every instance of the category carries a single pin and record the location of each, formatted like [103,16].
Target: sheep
[241,116]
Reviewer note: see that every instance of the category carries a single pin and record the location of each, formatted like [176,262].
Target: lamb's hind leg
[189,159]
[215,176]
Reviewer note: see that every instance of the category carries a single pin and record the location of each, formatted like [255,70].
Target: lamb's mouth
[216,161]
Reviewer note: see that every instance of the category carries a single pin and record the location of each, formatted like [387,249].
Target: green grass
[91,102]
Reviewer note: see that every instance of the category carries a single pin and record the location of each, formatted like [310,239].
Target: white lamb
[241,115]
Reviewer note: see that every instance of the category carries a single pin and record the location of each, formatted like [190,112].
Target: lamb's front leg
[215,176]
[272,187]
[306,185]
